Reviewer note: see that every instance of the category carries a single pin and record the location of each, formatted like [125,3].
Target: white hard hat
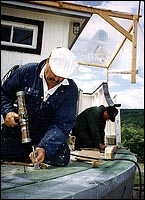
[63,62]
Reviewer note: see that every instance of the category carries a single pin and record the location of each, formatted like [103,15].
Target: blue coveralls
[50,122]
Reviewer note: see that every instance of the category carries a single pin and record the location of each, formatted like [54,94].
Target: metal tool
[36,165]
[23,117]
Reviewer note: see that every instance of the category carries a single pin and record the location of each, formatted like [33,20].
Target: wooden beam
[83,8]
[42,165]
[109,151]
[134,46]
[119,47]
[92,64]
[116,25]
[17,163]
[105,14]
[91,156]
[123,72]
[60,4]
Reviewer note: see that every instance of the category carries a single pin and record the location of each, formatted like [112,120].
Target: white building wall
[55,33]
[96,99]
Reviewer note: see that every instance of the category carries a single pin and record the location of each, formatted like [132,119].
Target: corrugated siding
[55,33]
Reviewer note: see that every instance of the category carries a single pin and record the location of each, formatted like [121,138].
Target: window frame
[17,22]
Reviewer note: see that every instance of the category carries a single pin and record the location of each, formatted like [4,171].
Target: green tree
[132,131]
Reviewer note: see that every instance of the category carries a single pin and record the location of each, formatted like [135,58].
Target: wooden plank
[71,142]
[42,165]
[109,151]
[134,49]
[17,163]
[89,153]
[91,156]
[83,8]
[116,25]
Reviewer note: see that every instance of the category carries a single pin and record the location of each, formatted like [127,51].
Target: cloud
[84,69]
[131,98]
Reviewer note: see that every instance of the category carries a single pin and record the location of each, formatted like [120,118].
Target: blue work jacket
[50,122]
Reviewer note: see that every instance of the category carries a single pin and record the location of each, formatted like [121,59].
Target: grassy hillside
[132,117]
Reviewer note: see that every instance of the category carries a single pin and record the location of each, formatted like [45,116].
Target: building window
[21,34]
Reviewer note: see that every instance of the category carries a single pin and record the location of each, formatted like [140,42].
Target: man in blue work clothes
[51,100]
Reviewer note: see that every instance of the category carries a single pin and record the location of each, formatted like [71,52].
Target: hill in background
[132,131]
[132,117]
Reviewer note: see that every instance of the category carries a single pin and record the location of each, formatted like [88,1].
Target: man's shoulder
[33,64]
[94,110]
[29,65]
[72,84]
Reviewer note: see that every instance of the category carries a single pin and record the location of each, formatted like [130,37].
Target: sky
[129,95]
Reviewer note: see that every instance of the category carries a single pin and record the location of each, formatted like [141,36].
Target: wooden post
[134,47]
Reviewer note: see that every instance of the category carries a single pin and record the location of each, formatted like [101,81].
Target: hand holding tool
[36,165]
